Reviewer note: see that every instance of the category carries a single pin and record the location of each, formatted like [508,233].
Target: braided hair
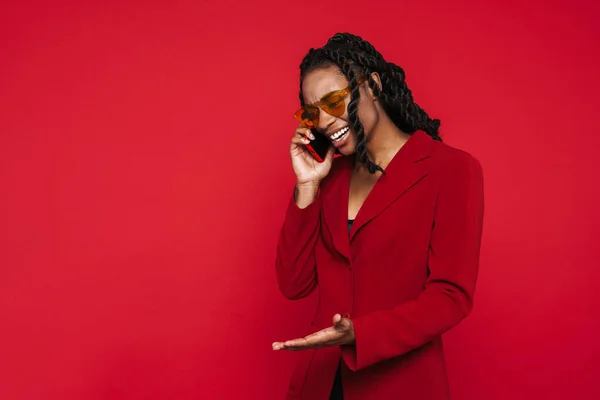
[356,57]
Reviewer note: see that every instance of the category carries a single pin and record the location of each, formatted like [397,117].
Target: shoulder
[452,162]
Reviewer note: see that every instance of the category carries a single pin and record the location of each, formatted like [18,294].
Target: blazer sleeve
[295,262]
[453,262]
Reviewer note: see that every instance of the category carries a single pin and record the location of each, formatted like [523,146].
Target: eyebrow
[325,95]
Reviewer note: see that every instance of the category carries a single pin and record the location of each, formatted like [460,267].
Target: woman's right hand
[307,169]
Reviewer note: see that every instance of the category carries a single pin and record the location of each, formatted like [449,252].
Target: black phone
[318,147]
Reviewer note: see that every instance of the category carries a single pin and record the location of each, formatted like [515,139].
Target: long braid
[397,81]
[402,101]
[356,57]
[409,117]
[350,71]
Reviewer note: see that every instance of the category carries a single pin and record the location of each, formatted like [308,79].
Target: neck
[385,141]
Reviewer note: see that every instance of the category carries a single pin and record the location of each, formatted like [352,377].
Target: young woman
[388,232]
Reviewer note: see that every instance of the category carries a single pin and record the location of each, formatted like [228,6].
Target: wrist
[308,185]
[305,193]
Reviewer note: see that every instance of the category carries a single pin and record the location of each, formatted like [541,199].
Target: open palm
[341,333]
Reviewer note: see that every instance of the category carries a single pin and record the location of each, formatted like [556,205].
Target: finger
[330,152]
[306,132]
[343,325]
[318,337]
[299,342]
[300,140]
[324,337]
[282,346]
[336,318]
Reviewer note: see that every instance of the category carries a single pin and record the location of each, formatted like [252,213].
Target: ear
[377,80]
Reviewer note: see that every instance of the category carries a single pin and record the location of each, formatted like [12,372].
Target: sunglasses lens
[307,115]
[334,105]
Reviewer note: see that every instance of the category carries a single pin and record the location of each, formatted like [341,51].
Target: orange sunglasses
[332,103]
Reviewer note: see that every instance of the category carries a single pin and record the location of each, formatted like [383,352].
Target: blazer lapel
[335,207]
[404,171]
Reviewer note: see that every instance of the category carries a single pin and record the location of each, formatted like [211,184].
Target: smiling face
[317,85]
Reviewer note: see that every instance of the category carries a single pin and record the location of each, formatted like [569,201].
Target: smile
[339,134]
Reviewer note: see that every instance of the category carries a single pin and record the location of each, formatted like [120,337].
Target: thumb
[330,152]
[343,325]
[336,318]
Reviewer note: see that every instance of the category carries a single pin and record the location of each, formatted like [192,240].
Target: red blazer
[405,273]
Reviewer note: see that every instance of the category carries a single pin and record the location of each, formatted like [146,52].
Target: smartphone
[318,147]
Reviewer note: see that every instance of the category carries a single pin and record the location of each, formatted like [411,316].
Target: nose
[325,120]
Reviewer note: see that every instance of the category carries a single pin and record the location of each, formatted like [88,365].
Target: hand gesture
[341,333]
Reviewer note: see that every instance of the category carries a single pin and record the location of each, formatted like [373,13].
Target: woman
[388,233]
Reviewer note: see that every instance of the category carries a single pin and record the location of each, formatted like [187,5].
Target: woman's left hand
[341,333]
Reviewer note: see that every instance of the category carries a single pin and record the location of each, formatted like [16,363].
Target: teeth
[339,134]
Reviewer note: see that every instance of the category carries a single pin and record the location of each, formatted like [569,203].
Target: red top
[405,273]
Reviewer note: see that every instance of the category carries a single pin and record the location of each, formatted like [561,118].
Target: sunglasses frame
[319,104]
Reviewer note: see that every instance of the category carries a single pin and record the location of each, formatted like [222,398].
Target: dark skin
[384,140]
[341,333]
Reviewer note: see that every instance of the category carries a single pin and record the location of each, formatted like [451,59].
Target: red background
[144,174]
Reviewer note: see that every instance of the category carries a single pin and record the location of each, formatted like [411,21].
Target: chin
[349,148]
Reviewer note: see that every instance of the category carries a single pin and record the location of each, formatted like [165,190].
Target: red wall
[144,175]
